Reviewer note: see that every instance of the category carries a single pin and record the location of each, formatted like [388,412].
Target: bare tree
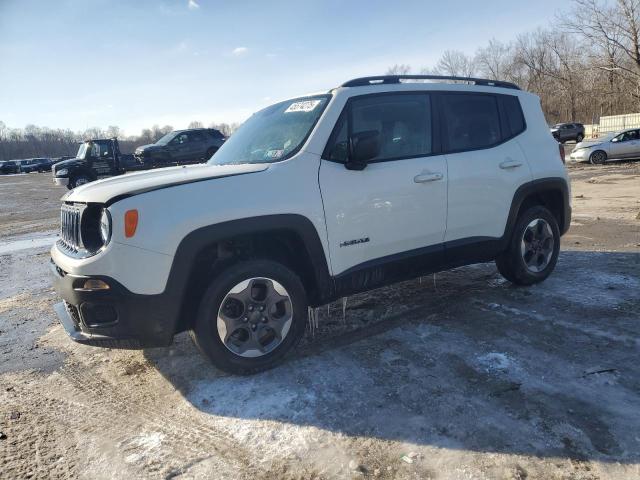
[495,60]
[399,69]
[113,131]
[456,64]
[613,30]
[195,124]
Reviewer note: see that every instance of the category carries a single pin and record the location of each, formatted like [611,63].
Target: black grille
[70,237]
[73,312]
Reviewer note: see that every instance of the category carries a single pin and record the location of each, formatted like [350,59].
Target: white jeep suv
[379,180]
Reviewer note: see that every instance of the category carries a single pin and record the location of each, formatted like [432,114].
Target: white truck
[379,180]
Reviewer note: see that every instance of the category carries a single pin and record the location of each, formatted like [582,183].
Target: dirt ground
[453,376]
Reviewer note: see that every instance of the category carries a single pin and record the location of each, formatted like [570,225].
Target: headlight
[62,172]
[105,226]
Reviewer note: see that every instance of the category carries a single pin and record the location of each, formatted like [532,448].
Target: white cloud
[193,5]
[239,51]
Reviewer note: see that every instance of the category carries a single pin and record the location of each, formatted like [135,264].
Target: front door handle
[507,164]
[427,177]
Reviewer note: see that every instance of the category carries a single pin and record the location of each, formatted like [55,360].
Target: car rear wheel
[598,157]
[533,250]
[250,316]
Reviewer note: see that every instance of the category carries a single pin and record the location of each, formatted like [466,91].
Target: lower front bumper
[113,318]
[74,330]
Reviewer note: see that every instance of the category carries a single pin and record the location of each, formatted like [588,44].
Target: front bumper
[61,181]
[580,155]
[113,318]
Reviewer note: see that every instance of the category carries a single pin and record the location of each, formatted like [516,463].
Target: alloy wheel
[598,158]
[537,245]
[254,317]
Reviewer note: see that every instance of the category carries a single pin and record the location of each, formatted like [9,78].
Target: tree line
[34,141]
[586,65]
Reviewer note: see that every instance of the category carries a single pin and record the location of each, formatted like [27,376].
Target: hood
[595,141]
[148,147]
[73,162]
[111,189]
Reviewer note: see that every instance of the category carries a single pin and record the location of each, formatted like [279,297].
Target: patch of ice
[26,243]
[495,361]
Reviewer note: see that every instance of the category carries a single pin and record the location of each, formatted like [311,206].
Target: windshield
[607,136]
[273,134]
[166,138]
[82,151]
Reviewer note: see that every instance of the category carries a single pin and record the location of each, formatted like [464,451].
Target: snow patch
[145,446]
[495,361]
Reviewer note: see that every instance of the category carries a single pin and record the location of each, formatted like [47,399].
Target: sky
[93,63]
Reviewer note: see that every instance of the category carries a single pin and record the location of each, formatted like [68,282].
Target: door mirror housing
[364,147]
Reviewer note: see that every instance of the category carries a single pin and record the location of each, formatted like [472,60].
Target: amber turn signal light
[130,223]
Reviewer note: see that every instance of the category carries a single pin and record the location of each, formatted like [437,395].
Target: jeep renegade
[379,180]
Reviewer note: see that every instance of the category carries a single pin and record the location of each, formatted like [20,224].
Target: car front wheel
[598,157]
[77,181]
[533,249]
[250,316]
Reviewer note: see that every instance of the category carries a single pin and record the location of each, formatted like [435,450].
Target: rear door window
[197,137]
[471,121]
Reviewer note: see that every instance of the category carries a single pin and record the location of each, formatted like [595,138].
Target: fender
[195,242]
[539,186]
[75,167]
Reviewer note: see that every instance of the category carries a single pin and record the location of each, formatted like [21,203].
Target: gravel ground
[452,376]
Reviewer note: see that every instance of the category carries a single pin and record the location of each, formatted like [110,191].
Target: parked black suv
[568,131]
[10,166]
[182,146]
[35,165]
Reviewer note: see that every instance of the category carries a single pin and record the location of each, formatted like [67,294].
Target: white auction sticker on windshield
[273,154]
[304,106]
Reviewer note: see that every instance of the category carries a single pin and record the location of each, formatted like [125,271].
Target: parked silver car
[614,146]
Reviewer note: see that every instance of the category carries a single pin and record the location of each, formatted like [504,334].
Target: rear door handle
[427,177]
[507,164]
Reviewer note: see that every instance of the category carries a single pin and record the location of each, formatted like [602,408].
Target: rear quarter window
[514,118]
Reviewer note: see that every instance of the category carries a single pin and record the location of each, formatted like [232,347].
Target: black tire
[579,138]
[205,331]
[511,263]
[599,157]
[77,180]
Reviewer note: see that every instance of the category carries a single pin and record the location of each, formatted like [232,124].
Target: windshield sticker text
[304,106]
[273,153]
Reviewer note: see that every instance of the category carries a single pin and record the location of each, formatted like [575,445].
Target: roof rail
[390,79]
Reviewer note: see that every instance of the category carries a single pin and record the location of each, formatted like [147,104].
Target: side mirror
[364,147]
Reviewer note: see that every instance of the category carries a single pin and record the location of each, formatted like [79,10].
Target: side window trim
[347,115]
